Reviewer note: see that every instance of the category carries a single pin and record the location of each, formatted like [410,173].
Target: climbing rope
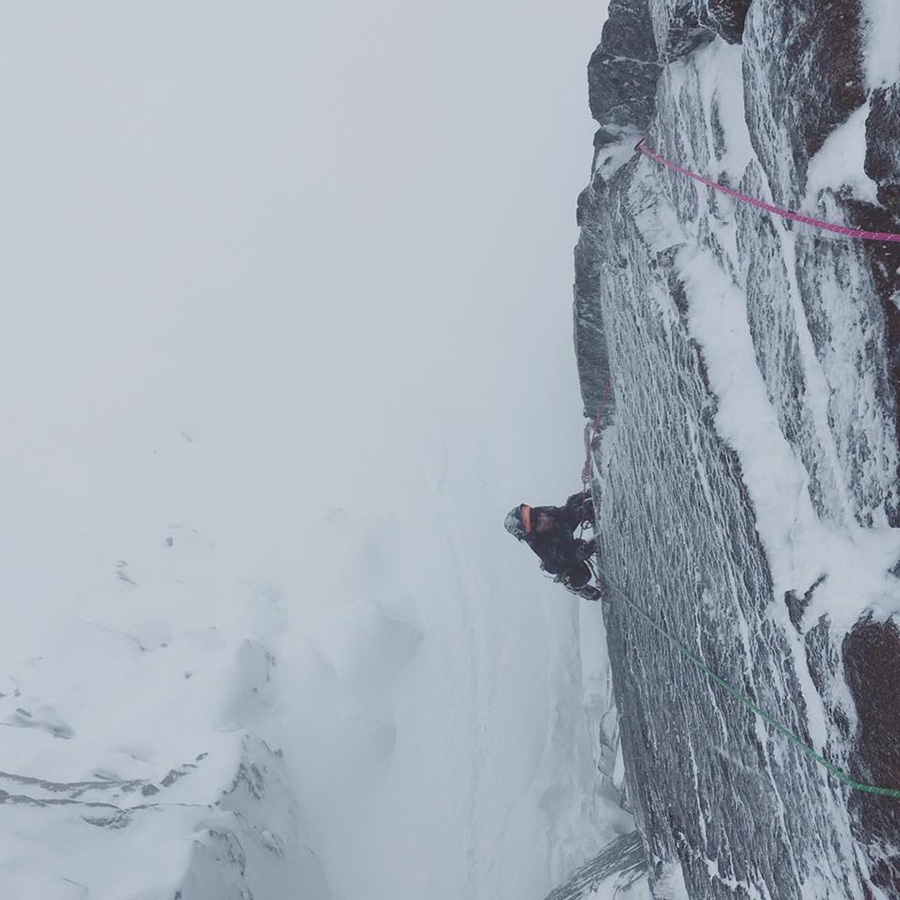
[752,201]
[781,729]
[586,468]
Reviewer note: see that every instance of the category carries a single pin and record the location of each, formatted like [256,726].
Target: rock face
[748,458]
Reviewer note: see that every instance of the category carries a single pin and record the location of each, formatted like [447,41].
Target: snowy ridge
[103,769]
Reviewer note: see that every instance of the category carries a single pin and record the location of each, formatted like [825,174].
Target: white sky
[445,146]
[338,231]
[328,248]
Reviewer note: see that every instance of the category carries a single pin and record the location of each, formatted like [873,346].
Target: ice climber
[550,532]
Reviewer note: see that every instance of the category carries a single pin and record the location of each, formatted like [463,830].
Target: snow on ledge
[841,161]
[882,56]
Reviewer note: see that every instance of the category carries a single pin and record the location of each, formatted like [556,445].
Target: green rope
[833,769]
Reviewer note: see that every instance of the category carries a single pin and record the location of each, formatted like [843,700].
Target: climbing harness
[781,729]
[858,233]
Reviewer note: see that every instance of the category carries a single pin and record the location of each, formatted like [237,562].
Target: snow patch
[611,157]
[670,884]
[882,55]
[800,547]
[840,162]
[719,67]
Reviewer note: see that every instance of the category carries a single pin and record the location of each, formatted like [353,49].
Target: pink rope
[785,214]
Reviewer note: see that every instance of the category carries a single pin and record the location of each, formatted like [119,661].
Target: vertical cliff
[747,461]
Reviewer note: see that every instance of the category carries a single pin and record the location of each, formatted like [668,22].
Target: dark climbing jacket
[558,548]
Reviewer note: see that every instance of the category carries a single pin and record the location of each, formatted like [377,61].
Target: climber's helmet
[518,522]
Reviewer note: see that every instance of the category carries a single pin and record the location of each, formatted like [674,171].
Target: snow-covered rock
[748,456]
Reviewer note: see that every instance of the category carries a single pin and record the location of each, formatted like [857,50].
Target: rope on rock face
[768,207]
[839,774]
[586,468]
[776,725]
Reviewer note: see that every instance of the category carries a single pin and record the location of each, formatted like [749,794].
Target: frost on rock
[619,870]
[749,464]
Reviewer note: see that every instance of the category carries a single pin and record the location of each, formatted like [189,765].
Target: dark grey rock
[624,69]
[804,68]
[685,31]
[725,17]
[882,152]
[872,662]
